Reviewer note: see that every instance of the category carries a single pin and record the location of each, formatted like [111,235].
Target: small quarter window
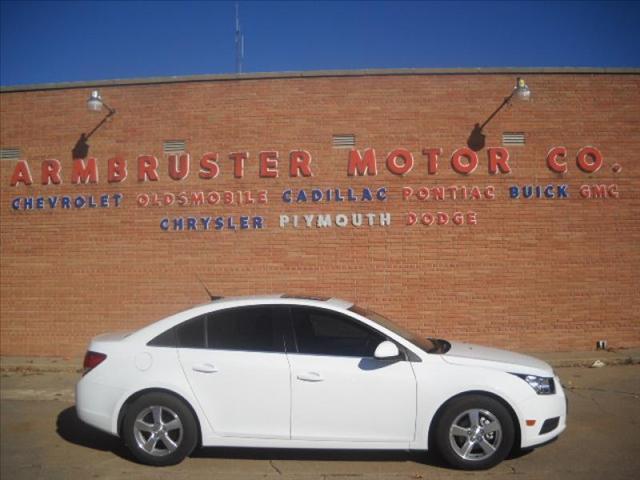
[165,339]
[191,333]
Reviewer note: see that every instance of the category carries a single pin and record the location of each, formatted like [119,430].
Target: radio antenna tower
[239,42]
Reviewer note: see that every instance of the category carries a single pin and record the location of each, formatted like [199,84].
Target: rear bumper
[96,404]
[550,415]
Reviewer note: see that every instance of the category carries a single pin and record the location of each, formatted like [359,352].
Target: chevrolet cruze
[293,372]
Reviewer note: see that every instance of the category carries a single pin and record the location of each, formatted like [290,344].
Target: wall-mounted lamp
[94,103]
[520,92]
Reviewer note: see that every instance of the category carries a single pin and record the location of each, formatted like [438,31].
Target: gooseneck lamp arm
[495,112]
[94,103]
[111,113]
[521,89]
[476,140]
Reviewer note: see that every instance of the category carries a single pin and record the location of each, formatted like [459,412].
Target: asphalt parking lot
[42,438]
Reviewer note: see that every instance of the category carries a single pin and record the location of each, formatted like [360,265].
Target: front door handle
[204,368]
[310,377]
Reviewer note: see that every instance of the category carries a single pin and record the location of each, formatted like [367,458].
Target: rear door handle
[204,368]
[310,377]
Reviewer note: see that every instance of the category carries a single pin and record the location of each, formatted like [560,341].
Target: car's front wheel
[474,432]
[159,429]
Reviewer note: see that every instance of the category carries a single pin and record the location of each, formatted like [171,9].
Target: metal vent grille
[9,153]
[344,140]
[174,146]
[513,138]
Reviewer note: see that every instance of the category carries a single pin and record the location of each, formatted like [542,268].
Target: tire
[474,432]
[159,429]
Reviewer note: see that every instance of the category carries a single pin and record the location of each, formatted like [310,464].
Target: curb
[37,365]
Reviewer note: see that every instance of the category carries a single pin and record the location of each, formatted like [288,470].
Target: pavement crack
[274,467]
[604,390]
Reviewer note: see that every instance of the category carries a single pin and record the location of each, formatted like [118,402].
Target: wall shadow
[81,149]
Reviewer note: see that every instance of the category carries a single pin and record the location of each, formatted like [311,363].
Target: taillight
[92,360]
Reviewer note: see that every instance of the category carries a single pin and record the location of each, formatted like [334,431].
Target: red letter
[268,162]
[84,173]
[442,218]
[209,166]
[405,166]
[552,159]
[463,168]
[51,172]
[299,161]
[498,158]
[147,168]
[238,163]
[182,172]
[411,218]
[585,191]
[21,174]
[361,166]
[432,159]
[116,169]
[589,166]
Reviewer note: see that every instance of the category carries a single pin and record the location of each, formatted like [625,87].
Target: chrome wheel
[475,434]
[158,430]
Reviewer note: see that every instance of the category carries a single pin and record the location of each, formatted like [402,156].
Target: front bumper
[543,417]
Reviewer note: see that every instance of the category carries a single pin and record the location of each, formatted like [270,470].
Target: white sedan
[294,372]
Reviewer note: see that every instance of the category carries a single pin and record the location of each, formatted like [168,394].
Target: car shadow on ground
[429,458]
[296,454]
[70,428]
[74,430]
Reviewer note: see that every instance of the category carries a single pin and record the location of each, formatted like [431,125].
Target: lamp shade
[95,101]
[522,90]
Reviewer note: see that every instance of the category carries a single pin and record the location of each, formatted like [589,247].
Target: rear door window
[257,329]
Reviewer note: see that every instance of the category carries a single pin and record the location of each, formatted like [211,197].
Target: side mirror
[386,350]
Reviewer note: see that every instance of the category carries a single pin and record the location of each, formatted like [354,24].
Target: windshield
[426,344]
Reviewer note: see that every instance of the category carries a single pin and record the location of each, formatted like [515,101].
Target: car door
[340,392]
[235,363]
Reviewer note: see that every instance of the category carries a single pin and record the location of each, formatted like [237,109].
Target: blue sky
[53,41]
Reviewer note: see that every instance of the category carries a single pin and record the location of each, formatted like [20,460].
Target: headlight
[541,385]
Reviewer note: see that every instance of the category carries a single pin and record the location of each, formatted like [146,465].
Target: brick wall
[532,274]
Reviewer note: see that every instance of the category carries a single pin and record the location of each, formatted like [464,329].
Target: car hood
[477,355]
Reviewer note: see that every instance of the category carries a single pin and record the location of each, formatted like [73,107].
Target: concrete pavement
[41,436]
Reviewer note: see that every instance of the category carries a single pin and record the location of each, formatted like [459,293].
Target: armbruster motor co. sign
[399,162]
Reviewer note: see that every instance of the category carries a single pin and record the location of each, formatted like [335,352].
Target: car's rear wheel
[159,429]
[474,432]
